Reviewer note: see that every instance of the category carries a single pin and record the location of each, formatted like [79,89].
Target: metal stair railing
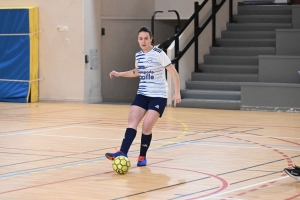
[197,30]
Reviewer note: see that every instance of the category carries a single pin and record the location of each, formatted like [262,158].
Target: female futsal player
[151,98]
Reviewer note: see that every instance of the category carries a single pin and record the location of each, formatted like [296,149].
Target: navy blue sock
[127,140]
[145,144]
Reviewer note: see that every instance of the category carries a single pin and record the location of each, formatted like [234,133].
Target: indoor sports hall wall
[61,63]
[62,53]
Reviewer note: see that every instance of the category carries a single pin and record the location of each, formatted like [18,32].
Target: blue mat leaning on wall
[19,54]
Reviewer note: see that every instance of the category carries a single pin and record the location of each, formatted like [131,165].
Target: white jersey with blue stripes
[151,67]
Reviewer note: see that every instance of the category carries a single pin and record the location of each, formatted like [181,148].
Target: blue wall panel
[14,21]
[14,55]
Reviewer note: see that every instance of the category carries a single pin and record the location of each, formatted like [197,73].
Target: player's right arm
[128,74]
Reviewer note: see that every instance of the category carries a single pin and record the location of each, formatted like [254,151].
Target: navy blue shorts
[150,103]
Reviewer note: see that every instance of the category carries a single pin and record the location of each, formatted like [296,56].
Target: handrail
[170,40]
[152,23]
[197,30]
[177,27]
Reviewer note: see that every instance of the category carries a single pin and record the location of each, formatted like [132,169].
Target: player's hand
[176,99]
[114,74]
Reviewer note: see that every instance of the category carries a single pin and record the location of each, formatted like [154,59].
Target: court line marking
[201,133]
[72,164]
[62,127]
[79,163]
[242,188]
[165,143]
[186,132]
[168,109]
[173,142]
[29,132]
[71,179]
[226,198]
[218,189]
[243,147]
[75,137]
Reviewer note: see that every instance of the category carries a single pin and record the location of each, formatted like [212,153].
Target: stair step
[262,18]
[230,60]
[210,104]
[242,51]
[211,94]
[232,69]
[246,42]
[213,85]
[265,10]
[257,26]
[248,34]
[224,77]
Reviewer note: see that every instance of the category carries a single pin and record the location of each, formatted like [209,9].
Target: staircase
[235,60]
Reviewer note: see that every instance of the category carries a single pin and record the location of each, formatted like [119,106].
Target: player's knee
[133,124]
[147,130]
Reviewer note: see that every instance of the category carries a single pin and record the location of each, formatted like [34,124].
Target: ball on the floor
[121,164]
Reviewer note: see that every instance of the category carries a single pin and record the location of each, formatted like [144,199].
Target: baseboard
[93,100]
[61,100]
[270,109]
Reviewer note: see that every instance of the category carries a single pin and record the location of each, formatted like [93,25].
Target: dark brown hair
[146,29]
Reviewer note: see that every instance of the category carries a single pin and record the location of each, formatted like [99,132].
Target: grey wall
[279,69]
[118,48]
[270,97]
[296,16]
[288,41]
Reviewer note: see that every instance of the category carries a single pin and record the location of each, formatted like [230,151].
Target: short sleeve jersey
[151,67]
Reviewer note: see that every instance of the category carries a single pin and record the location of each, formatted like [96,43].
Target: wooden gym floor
[56,151]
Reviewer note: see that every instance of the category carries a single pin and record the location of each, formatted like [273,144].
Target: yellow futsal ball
[121,164]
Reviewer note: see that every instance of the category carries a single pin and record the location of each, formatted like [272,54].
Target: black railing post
[177,53]
[177,28]
[152,23]
[196,27]
[214,3]
[230,11]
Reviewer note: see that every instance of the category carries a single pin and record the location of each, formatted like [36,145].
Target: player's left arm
[177,97]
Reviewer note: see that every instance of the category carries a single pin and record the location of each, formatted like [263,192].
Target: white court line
[248,147]
[80,137]
[226,198]
[75,137]
[29,132]
[123,129]
[242,188]
[233,145]
[210,133]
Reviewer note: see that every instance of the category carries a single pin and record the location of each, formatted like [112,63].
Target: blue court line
[104,158]
[71,164]
[51,168]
